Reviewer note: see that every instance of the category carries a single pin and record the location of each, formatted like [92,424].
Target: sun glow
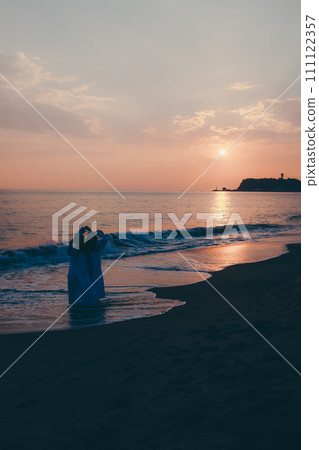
[222,152]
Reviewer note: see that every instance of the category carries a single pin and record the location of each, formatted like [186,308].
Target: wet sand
[197,377]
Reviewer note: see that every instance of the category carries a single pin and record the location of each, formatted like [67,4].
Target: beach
[150,216]
[197,377]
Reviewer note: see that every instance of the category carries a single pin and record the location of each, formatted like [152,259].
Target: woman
[93,250]
[81,291]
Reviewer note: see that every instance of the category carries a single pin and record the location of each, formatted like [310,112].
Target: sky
[149,92]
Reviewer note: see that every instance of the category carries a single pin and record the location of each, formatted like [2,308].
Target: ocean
[34,267]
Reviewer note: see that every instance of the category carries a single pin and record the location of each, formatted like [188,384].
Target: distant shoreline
[256,191]
[266,185]
[128,191]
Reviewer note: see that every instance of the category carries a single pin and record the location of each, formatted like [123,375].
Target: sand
[197,377]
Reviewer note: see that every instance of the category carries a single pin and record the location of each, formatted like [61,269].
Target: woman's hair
[90,244]
[86,247]
[81,245]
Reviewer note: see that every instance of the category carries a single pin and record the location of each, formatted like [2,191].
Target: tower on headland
[282,176]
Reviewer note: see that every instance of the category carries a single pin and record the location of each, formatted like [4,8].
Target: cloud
[150,130]
[218,128]
[282,117]
[28,71]
[225,131]
[242,86]
[191,124]
[67,102]
[16,114]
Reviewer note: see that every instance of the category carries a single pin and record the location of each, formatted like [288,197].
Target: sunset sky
[149,91]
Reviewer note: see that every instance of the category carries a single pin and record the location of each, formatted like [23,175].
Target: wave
[295,217]
[137,244]
[37,291]
[43,254]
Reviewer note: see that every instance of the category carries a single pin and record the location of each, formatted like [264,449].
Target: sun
[222,152]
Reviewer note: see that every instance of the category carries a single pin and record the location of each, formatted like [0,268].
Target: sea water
[33,289]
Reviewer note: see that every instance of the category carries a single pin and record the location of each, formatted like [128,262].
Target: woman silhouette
[93,250]
[85,268]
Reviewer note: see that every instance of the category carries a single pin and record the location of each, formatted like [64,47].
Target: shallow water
[31,299]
